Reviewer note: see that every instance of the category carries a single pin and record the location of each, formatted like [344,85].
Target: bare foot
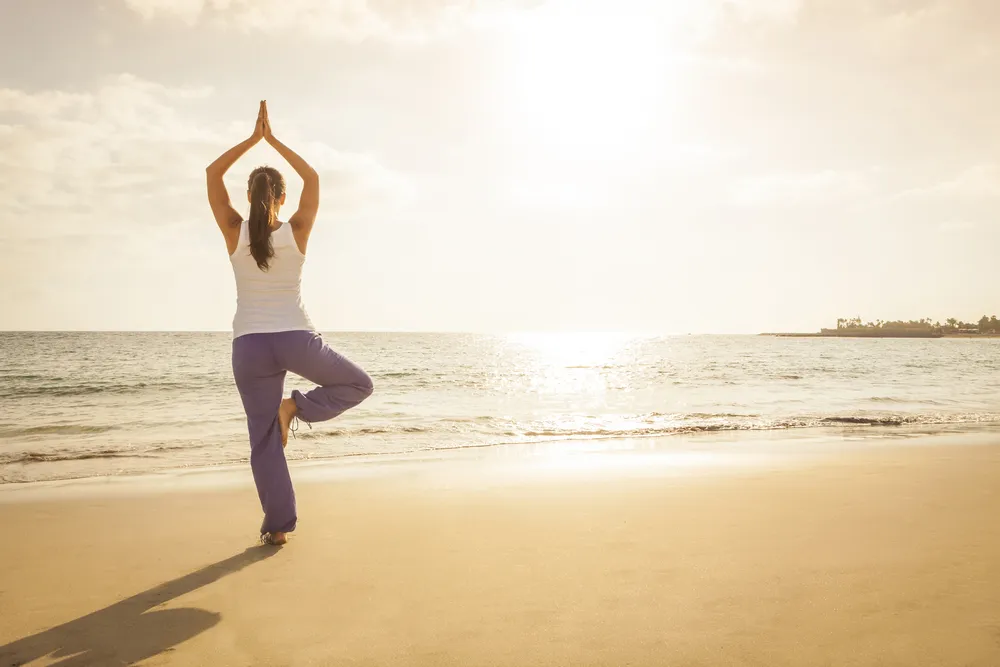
[273,539]
[286,413]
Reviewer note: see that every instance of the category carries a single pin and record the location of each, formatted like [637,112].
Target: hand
[258,130]
[268,137]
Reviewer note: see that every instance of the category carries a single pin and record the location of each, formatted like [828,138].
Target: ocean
[92,404]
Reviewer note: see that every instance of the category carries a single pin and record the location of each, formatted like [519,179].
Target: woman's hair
[266,187]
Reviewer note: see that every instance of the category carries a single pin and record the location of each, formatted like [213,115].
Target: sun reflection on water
[577,349]
[581,363]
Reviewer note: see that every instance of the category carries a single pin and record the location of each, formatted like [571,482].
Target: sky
[661,166]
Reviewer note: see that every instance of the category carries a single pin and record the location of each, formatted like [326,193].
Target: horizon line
[410,331]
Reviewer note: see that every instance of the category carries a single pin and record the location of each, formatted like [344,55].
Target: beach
[828,551]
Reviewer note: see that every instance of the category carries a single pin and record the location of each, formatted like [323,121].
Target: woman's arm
[218,197]
[302,220]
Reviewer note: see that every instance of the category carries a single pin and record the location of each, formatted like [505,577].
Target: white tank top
[269,301]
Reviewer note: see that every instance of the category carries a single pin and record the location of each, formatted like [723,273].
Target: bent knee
[365,386]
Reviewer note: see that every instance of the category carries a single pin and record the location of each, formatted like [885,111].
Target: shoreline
[734,445]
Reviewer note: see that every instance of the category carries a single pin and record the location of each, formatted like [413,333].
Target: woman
[272,333]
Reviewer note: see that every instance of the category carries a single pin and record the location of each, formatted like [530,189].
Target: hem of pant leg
[296,395]
[281,530]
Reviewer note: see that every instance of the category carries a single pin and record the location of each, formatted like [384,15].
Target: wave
[11,377]
[648,425]
[11,431]
[892,399]
[874,421]
[482,431]
[105,453]
[55,389]
[50,457]
[705,415]
[750,423]
[391,429]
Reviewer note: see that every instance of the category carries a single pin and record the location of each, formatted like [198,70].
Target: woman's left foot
[286,413]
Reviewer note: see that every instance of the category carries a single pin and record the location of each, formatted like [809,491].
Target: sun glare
[584,78]
[576,349]
[581,364]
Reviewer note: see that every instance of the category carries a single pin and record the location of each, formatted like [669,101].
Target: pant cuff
[302,406]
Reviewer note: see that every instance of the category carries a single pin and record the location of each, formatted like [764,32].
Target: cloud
[355,20]
[963,31]
[791,189]
[350,20]
[959,226]
[981,181]
[774,10]
[66,156]
[130,155]
[978,181]
[188,11]
[356,182]
[46,103]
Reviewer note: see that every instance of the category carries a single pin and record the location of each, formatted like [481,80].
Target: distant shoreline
[843,333]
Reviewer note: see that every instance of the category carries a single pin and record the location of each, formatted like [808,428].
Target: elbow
[312,177]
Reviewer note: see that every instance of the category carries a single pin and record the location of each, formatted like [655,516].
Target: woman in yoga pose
[272,333]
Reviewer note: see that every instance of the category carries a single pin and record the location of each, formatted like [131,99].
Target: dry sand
[884,554]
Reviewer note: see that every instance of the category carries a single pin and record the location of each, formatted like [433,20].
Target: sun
[584,78]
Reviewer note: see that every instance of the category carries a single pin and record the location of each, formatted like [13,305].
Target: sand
[885,552]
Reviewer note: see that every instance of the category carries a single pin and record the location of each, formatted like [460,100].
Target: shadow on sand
[127,632]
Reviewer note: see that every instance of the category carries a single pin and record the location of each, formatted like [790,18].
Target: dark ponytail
[266,187]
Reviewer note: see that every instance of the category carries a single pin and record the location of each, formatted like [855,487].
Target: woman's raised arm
[218,197]
[302,220]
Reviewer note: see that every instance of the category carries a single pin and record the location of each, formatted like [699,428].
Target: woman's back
[269,301]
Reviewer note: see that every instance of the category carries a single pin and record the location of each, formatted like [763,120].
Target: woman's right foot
[286,413]
[273,539]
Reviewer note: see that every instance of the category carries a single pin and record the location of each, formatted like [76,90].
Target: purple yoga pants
[260,362]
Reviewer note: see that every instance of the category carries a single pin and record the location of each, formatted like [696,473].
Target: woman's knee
[365,385]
